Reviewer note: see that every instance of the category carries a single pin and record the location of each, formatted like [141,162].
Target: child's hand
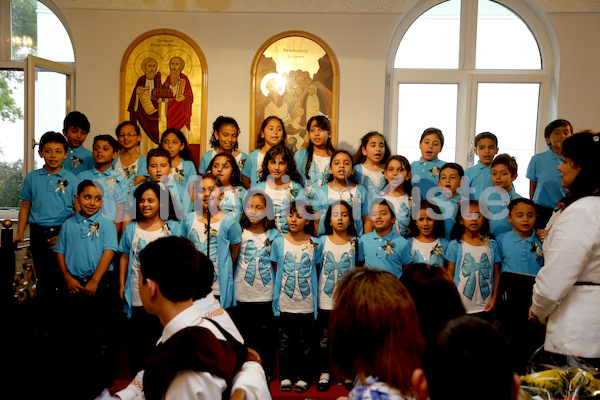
[541,234]
[491,305]
[19,238]
[122,292]
[73,285]
[52,242]
[90,288]
[532,316]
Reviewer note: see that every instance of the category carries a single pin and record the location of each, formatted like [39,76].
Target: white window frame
[467,77]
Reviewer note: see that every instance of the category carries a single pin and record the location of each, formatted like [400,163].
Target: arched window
[467,67]
[36,74]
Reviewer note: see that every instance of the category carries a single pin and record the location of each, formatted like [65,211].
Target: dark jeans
[323,328]
[296,343]
[49,278]
[256,323]
[145,332]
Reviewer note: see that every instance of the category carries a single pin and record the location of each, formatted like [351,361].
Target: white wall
[360,42]
[229,43]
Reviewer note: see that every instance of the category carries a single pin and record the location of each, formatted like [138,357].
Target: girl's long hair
[260,139]
[458,230]
[323,123]
[185,152]
[438,224]
[583,149]
[287,156]
[374,329]
[219,122]
[407,184]
[360,158]
[268,222]
[161,193]
[236,176]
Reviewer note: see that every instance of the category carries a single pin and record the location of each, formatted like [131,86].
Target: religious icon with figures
[295,76]
[163,85]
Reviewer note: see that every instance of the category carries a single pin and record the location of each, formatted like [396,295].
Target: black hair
[485,135]
[236,176]
[458,230]
[457,167]
[260,139]
[111,141]
[303,208]
[219,122]
[351,178]
[124,123]
[161,193]
[322,122]
[185,152]
[583,149]
[519,200]
[383,202]
[52,137]
[509,161]
[407,184]
[438,224]
[87,183]
[268,221]
[180,281]
[206,270]
[359,157]
[460,349]
[288,157]
[435,131]
[557,123]
[351,228]
[76,119]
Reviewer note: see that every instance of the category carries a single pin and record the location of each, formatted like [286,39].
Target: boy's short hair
[159,152]
[457,167]
[460,349]
[111,141]
[518,200]
[558,123]
[52,137]
[179,281]
[76,119]
[509,161]
[435,131]
[206,273]
[87,183]
[383,202]
[485,135]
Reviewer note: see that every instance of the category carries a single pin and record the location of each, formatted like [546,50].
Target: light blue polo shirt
[110,181]
[83,240]
[480,178]
[78,160]
[249,169]
[428,173]
[543,170]
[501,225]
[51,196]
[519,255]
[389,253]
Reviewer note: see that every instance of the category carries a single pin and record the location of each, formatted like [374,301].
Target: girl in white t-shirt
[341,254]
[254,278]
[295,257]
[147,227]
[427,242]
[474,261]
[313,161]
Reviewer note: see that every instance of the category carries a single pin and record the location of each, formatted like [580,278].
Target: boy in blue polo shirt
[496,199]
[426,171]
[106,149]
[84,251]
[521,249]
[480,174]
[76,128]
[47,201]
[450,181]
[383,248]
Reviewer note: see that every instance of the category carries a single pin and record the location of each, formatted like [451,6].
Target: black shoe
[301,386]
[348,384]
[324,382]
[285,385]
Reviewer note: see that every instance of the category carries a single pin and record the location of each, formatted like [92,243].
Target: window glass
[432,41]
[509,110]
[504,41]
[11,136]
[50,104]
[421,106]
[36,30]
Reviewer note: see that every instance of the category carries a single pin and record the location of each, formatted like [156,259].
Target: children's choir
[280,228]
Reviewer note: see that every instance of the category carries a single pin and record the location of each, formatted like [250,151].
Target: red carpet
[336,391]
